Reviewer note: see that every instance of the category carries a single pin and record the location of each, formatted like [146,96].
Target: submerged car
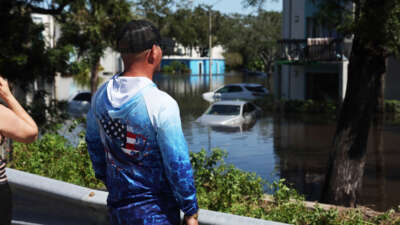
[243,91]
[230,114]
[79,103]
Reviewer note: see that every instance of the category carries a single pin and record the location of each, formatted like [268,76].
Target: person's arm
[15,122]
[175,156]
[95,147]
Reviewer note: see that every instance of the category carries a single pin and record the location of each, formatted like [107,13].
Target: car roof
[238,102]
[245,84]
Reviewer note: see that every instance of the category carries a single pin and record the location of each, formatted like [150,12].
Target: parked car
[79,103]
[230,114]
[243,91]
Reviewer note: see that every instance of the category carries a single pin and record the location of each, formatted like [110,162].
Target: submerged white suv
[242,91]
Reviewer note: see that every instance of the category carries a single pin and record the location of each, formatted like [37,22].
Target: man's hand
[191,220]
[5,92]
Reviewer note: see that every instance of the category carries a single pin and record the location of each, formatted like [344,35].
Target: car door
[221,92]
[232,92]
[249,112]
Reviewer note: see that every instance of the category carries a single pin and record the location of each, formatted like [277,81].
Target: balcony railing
[313,50]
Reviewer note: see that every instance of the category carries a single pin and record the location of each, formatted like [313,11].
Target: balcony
[313,50]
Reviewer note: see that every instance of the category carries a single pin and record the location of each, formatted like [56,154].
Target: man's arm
[175,156]
[95,147]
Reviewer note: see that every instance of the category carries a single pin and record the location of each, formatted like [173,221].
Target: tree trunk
[347,160]
[365,88]
[94,78]
[377,132]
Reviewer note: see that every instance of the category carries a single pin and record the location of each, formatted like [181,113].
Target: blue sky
[235,6]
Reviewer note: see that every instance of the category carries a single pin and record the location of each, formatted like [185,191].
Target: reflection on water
[295,148]
[303,149]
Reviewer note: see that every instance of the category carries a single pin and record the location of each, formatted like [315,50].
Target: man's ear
[153,54]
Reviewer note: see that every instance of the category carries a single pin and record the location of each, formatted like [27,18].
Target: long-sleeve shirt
[137,148]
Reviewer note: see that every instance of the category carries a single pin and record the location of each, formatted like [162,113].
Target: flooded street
[292,147]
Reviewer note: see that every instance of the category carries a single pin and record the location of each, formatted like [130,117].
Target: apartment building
[314,60]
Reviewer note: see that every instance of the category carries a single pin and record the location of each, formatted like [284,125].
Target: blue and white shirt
[137,148]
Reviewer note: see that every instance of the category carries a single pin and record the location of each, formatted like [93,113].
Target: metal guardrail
[39,200]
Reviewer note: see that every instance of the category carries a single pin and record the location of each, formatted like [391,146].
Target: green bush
[220,187]
[312,106]
[223,187]
[392,106]
[175,67]
[52,156]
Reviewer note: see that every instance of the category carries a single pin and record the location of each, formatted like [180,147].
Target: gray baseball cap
[137,36]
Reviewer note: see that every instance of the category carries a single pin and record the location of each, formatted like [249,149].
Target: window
[223,90]
[255,88]
[248,108]
[225,110]
[85,96]
[235,88]
[230,88]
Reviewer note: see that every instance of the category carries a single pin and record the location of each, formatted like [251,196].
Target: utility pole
[210,46]
[210,40]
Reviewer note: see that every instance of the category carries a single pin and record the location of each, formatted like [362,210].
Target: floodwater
[292,147]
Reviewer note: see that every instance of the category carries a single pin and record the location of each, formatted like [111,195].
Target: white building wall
[285,94]
[286,19]
[111,62]
[298,80]
[298,19]
[293,19]
[51,32]
[217,53]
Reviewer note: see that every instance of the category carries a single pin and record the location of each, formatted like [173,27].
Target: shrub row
[311,106]
[175,67]
[220,187]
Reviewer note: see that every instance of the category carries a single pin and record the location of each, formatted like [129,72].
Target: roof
[245,84]
[233,102]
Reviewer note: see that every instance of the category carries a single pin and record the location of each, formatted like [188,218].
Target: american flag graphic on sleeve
[130,142]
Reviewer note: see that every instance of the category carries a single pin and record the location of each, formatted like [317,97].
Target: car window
[223,90]
[85,96]
[247,108]
[255,88]
[235,88]
[226,110]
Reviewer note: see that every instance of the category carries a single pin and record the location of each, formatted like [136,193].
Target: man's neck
[138,73]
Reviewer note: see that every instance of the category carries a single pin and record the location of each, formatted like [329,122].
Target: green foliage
[191,27]
[92,27]
[24,55]
[176,67]
[392,106]
[309,106]
[47,115]
[52,156]
[262,30]
[312,106]
[233,60]
[223,187]
[220,187]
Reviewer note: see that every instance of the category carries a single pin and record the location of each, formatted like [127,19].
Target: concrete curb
[80,203]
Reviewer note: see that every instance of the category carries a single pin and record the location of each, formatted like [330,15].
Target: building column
[342,75]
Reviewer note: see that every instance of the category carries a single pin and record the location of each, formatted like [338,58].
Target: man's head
[138,43]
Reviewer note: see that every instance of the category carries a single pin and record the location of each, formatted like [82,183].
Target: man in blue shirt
[135,139]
